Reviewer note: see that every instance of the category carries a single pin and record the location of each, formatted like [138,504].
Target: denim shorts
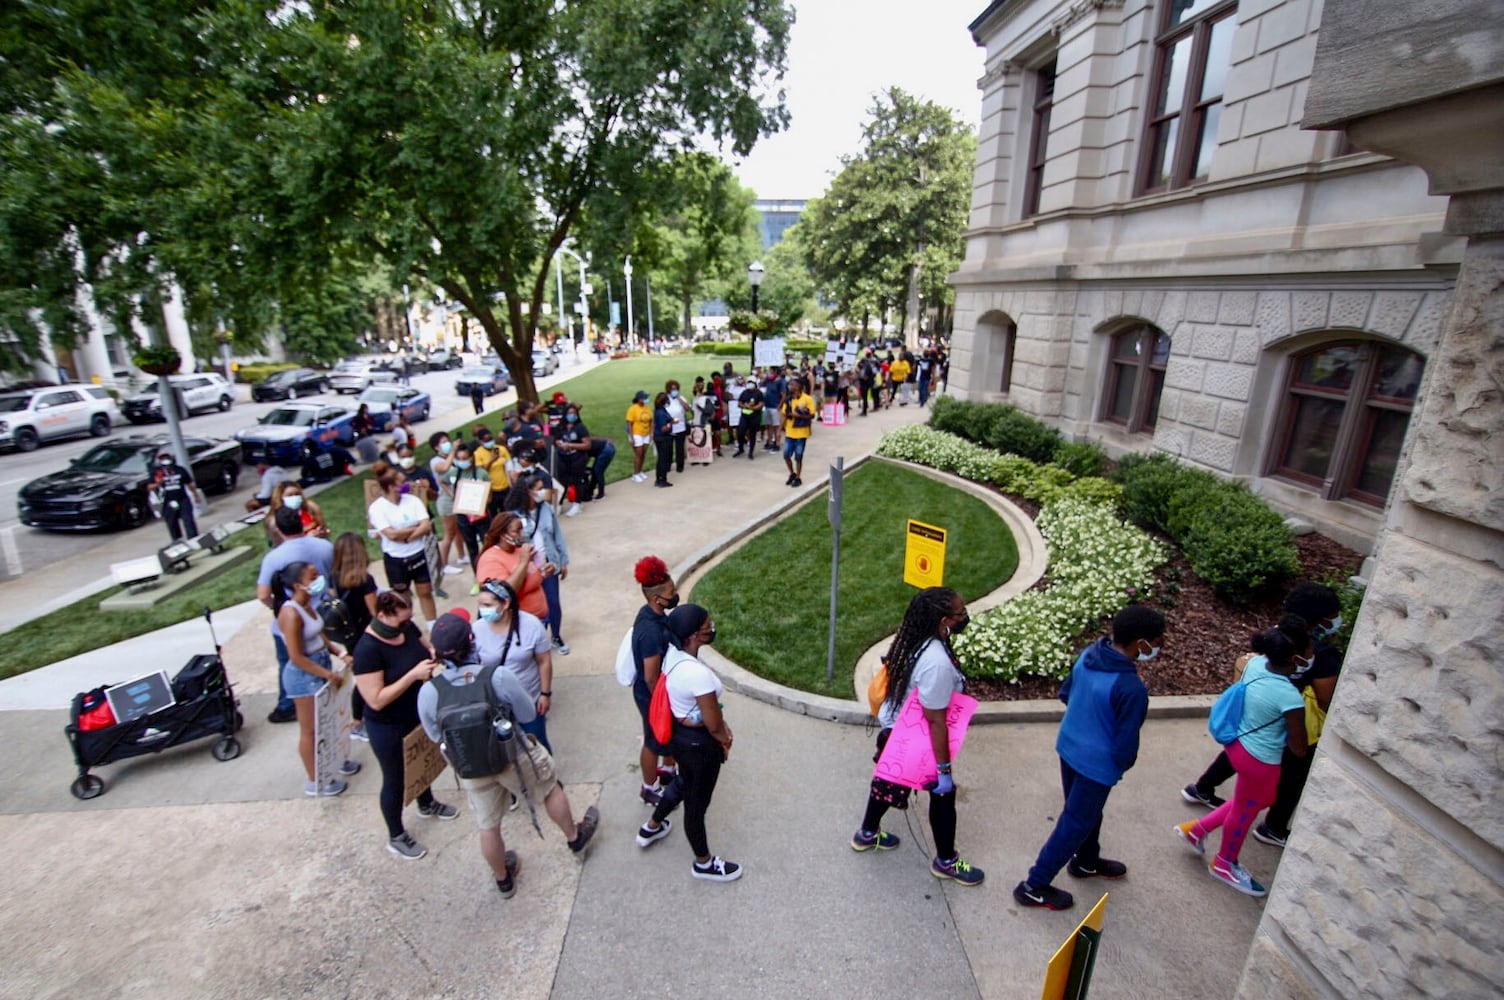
[299,683]
[794,448]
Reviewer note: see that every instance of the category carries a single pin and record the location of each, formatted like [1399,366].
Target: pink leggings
[1255,790]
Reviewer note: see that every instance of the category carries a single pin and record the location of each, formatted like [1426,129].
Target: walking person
[663,439]
[531,777]
[1272,720]
[310,663]
[174,486]
[701,741]
[478,397]
[401,521]
[920,659]
[798,415]
[517,641]
[639,432]
[392,660]
[902,372]
[651,641]
[1105,707]
[679,415]
[866,380]
[294,547]
[750,403]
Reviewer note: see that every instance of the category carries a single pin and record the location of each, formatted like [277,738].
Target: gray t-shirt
[935,677]
[507,687]
[521,657]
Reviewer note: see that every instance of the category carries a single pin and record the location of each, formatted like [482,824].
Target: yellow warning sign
[1068,976]
[924,555]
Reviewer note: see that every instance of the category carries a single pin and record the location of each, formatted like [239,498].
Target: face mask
[673,394]
[671,602]
[317,586]
[537,496]
[293,502]
[1302,664]
[709,639]
[405,489]
[1151,654]
[164,462]
[384,631]
[489,614]
[1322,631]
[960,626]
[462,465]
[406,463]
[445,448]
[512,540]
[572,417]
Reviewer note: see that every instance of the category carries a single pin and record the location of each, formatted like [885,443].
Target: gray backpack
[475,729]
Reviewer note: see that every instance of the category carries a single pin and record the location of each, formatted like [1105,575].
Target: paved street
[191,877]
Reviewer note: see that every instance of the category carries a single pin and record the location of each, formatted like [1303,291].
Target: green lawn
[770,599]
[605,390]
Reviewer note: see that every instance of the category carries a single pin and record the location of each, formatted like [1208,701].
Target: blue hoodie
[1105,706]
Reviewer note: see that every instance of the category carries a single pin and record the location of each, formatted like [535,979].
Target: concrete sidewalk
[192,877]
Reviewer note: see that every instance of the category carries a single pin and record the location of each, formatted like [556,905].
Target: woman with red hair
[651,639]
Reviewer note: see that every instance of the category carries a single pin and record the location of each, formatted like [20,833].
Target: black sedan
[290,384]
[106,486]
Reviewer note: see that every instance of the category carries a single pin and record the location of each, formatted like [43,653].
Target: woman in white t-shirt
[519,642]
[401,521]
[921,660]
[701,742]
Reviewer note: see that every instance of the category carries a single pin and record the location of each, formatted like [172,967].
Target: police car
[31,416]
[386,402]
[198,392]
[281,434]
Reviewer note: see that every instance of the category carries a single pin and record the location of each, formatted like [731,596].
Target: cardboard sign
[332,721]
[700,448]
[422,763]
[1068,976]
[768,352]
[471,496]
[924,555]
[908,759]
[833,415]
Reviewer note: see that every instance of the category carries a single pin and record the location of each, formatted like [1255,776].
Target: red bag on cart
[94,711]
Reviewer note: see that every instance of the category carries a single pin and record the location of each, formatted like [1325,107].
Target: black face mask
[709,639]
[960,626]
[669,603]
[384,631]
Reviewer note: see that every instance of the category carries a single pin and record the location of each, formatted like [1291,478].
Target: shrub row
[1230,537]
[1042,483]
[251,374]
[1009,430]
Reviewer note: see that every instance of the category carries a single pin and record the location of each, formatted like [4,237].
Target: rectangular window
[1194,50]
[1044,98]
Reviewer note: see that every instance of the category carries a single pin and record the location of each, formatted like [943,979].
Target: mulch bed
[1204,634]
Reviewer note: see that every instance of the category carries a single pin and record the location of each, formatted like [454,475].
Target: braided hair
[921,623]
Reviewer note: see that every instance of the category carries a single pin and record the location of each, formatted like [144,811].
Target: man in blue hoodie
[1105,706]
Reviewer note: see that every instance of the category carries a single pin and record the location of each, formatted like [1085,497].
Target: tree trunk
[688,327]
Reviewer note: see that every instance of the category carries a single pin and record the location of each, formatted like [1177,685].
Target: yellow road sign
[1068,976]
[924,555]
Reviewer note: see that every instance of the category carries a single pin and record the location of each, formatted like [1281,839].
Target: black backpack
[471,726]
[338,623]
[203,675]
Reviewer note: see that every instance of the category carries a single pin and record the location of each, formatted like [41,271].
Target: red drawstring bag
[660,715]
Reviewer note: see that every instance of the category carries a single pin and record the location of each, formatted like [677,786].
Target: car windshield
[477,371]
[286,417]
[280,378]
[114,458]
[13,404]
[380,396]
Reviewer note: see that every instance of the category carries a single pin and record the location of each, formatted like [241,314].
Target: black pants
[884,794]
[664,445]
[699,757]
[386,744]
[679,446]
[179,518]
[1293,772]
[865,390]
[478,400]
[747,431]
[472,532]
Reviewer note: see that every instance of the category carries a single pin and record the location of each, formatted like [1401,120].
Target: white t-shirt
[935,677]
[675,409]
[521,657]
[406,513]
[687,679]
[273,475]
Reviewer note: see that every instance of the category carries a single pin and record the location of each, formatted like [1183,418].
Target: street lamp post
[754,276]
[626,271]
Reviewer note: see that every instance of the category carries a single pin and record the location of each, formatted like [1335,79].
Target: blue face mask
[489,614]
[572,417]
[445,447]
[294,502]
[318,586]
[462,465]
[673,394]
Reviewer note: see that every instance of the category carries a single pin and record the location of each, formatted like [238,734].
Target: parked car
[106,486]
[387,401]
[444,359]
[279,438]
[352,376]
[290,384]
[544,363]
[493,379]
[32,416]
[203,391]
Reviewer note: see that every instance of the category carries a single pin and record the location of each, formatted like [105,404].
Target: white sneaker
[452,570]
[572,511]
[639,477]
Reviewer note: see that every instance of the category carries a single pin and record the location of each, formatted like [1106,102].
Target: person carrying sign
[798,415]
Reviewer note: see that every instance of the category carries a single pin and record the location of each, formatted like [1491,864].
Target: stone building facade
[1159,256]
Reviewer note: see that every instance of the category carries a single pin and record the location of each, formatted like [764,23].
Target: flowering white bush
[939,450]
[1098,565]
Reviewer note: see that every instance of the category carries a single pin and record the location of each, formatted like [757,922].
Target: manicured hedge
[251,374]
[1009,430]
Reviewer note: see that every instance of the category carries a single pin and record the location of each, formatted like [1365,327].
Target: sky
[841,54]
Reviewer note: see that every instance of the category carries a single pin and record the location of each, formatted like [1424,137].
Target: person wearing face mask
[651,641]
[1106,703]
[293,547]
[1316,678]
[309,663]
[1272,724]
[290,494]
[469,527]
[519,643]
[573,442]
[663,439]
[541,525]
[401,521]
[508,555]
[701,742]
[392,660]
[442,464]
[173,484]
[920,659]
[678,414]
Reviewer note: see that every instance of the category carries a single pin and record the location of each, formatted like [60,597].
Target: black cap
[451,637]
[685,620]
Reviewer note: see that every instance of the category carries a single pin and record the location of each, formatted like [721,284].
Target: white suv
[352,376]
[201,391]
[35,415]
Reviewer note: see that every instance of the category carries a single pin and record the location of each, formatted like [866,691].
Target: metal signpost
[833,513]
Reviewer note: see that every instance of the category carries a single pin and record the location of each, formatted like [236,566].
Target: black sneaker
[1047,897]
[585,829]
[797,482]
[1101,868]
[1265,835]
[717,870]
[789,481]
[652,794]
[506,886]
[647,836]
[1197,797]
[282,715]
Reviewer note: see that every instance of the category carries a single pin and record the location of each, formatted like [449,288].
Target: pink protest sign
[909,757]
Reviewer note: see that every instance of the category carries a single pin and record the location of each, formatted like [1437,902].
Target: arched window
[1343,420]
[1136,376]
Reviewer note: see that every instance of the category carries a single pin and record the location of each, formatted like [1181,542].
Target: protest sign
[908,759]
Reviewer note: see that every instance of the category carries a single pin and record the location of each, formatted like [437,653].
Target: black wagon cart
[196,704]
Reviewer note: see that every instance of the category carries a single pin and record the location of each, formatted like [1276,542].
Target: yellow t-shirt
[640,416]
[899,370]
[500,482]
[800,402]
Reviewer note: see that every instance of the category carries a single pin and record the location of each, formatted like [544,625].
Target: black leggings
[386,744]
[747,431]
[699,757]
[472,532]
[664,445]
[679,440]
[885,794]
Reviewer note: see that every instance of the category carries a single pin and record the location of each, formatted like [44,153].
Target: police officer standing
[172,484]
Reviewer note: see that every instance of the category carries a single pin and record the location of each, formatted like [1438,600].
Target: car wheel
[424,415]
[229,477]
[133,513]
[225,402]
[100,425]
[27,440]
[324,386]
[293,393]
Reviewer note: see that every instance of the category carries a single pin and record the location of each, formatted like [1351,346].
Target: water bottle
[503,727]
